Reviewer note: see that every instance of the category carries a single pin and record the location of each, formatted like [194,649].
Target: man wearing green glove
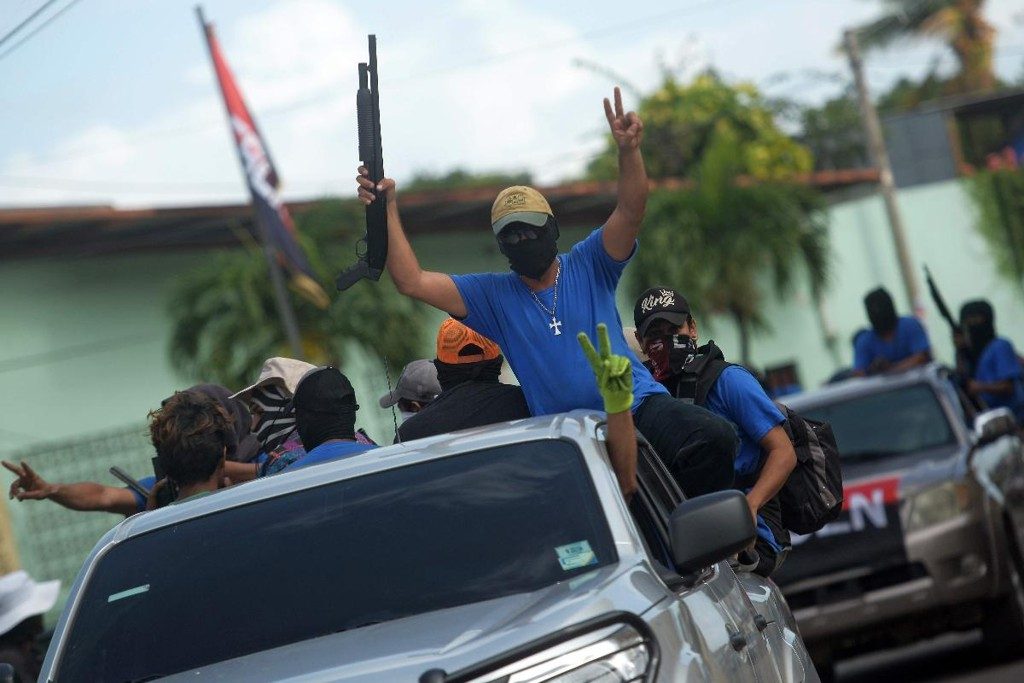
[614,375]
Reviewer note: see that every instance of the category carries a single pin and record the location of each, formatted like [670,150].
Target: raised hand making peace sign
[627,129]
[614,374]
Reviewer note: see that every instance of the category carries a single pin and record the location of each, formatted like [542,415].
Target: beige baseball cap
[282,372]
[519,203]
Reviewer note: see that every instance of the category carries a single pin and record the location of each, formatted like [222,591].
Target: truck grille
[848,589]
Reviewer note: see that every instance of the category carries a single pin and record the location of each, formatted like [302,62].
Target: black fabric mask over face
[881,311]
[978,319]
[532,257]
[669,354]
[325,408]
[450,375]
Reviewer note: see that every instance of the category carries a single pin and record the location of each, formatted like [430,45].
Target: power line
[27,20]
[52,18]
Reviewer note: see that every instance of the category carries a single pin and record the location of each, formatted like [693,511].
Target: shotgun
[940,303]
[373,251]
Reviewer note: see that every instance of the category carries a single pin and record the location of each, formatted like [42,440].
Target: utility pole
[880,157]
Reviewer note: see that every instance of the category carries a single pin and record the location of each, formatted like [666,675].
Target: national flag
[263,181]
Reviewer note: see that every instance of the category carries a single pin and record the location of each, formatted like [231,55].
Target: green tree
[721,241]
[461,178]
[960,23]
[999,199]
[681,119]
[226,323]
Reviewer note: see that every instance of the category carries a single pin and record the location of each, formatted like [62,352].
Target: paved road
[954,658]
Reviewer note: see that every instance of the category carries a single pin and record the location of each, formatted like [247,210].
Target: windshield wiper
[147,677]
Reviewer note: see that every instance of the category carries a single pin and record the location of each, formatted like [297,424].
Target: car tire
[1003,623]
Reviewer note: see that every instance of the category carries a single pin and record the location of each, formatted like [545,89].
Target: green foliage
[461,178]
[835,134]
[960,24]
[719,242]
[999,199]
[681,120]
[226,323]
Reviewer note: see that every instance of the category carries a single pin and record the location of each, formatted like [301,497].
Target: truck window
[384,546]
[895,422]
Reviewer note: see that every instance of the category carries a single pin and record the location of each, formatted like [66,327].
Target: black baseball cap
[659,303]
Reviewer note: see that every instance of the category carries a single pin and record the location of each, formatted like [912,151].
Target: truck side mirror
[709,529]
[994,424]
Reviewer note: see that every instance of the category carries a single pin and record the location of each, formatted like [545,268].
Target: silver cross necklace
[555,323]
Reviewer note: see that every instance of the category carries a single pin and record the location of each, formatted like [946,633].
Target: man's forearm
[622,450]
[913,361]
[776,471]
[402,264]
[633,187]
[87,496]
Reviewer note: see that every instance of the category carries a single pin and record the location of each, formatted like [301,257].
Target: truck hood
[916,469]
[450,639]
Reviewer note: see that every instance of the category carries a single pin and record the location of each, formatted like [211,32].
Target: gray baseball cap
[418,382]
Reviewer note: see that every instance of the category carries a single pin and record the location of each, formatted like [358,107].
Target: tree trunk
[743,327]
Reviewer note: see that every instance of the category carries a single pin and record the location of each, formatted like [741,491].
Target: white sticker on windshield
[128,593]
[575,555]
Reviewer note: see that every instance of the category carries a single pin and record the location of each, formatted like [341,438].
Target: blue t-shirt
[738,397]
[140,502]
[551,368]
[326,452]
[998,362]
[910,339]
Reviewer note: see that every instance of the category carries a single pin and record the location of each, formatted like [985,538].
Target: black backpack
[813,495]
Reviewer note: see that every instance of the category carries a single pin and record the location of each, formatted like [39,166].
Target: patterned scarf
[277,421]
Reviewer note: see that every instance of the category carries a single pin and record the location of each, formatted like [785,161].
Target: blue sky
[114,103]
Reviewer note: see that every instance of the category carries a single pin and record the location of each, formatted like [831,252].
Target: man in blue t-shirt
[667,333]
[535,311]
[996,376]
[893,343]
[325,416]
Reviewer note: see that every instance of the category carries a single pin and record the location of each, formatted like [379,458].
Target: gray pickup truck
[504,553]
[931,531]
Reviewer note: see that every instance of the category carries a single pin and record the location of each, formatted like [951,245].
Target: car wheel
[1003,624]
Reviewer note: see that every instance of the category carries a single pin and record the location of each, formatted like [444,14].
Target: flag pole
[284,304]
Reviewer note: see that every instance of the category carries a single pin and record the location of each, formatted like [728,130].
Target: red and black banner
[263,180]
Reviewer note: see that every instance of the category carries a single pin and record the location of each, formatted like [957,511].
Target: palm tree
[722,241]
[226,324]
[960,23]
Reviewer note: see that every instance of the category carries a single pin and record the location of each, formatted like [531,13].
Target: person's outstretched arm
[614,375]
[623,226]
[436,289]
[86,496]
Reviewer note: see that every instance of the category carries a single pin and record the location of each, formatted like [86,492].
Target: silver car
[933,522]
[504,553]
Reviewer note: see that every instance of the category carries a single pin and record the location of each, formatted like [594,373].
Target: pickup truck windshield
[895,422]
[379,547]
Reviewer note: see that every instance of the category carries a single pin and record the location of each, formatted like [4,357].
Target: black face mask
[979,322]
[881,311]
[669,354]
[450,375]
[531,258]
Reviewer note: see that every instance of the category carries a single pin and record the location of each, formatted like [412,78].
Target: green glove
[614,374]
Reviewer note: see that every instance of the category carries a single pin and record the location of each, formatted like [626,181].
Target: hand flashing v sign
[627,129]
[614,374]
